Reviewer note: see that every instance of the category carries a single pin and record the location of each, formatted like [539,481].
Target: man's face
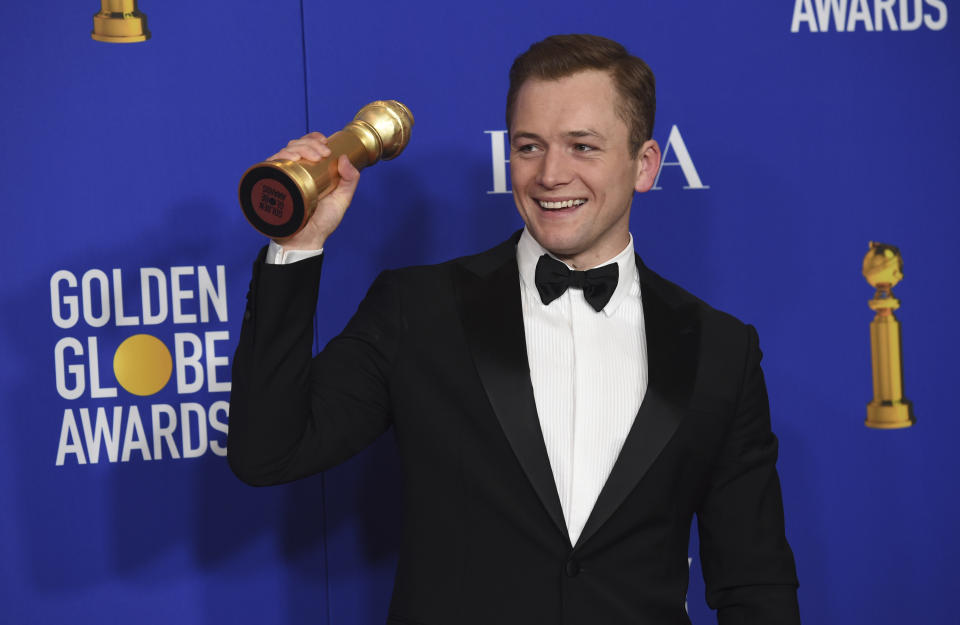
[572,172]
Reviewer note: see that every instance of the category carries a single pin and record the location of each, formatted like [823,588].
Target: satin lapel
[489,299]
[672,333]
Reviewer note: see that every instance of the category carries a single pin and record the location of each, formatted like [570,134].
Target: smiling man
[562,412]
[574,166]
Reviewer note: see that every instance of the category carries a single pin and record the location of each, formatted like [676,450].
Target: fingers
[311,147]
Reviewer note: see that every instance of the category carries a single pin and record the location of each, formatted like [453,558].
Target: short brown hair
[559,56]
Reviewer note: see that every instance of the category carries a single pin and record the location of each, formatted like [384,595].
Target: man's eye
[583,147]
[529,147]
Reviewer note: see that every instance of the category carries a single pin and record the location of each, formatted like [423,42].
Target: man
[558,428]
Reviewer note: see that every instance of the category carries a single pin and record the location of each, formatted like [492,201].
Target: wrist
[277,255]
[305,246]
[308,239]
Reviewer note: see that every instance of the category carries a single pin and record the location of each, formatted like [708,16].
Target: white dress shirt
[589,375]
[276,255]
[588,370]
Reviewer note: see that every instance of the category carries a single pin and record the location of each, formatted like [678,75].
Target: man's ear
[648,163]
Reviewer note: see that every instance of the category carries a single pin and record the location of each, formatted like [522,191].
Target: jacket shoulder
[683,301]
[480,263]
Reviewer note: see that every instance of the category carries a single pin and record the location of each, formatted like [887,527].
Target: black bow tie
[553,278]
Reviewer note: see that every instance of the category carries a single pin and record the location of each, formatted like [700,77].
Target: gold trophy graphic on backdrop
[278,197]
[119,21]
[883,268]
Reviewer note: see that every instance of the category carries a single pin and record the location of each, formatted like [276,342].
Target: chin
[556,244]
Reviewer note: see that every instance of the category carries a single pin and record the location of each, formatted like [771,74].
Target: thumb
[347,170]
[349,177]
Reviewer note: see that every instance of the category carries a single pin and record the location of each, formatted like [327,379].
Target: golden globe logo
[142,364]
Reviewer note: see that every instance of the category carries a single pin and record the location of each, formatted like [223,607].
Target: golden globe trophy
[883,268]
[278,197]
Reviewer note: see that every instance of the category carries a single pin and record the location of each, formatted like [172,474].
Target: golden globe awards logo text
[847,16]
[116,352]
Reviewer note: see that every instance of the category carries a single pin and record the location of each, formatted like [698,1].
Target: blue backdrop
[794,132]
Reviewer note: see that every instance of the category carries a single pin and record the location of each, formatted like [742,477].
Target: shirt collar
[529,252]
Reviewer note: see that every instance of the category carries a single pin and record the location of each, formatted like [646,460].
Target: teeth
[564,204]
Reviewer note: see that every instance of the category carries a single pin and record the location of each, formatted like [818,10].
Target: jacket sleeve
[747,564]
[292,415]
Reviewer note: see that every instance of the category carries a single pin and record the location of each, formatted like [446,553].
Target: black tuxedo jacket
[439,353]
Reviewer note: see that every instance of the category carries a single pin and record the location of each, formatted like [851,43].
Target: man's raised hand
[330,208]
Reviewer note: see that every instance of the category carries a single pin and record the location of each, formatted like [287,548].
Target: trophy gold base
[116,27]
[886,415]
[273,200]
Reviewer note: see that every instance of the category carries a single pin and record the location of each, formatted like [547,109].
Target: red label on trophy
[272,202]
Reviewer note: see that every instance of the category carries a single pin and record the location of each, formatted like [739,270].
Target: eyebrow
[585,133]
[576,134]
[524,135]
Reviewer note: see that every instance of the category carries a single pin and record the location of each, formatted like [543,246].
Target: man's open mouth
[560,204]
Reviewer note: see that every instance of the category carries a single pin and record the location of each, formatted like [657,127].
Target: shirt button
[573,568]
[247,314]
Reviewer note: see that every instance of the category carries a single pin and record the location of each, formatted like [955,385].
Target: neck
[591,259]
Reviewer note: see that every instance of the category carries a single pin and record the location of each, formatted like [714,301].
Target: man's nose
[555,170]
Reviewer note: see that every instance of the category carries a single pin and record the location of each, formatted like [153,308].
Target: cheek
[519,174]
